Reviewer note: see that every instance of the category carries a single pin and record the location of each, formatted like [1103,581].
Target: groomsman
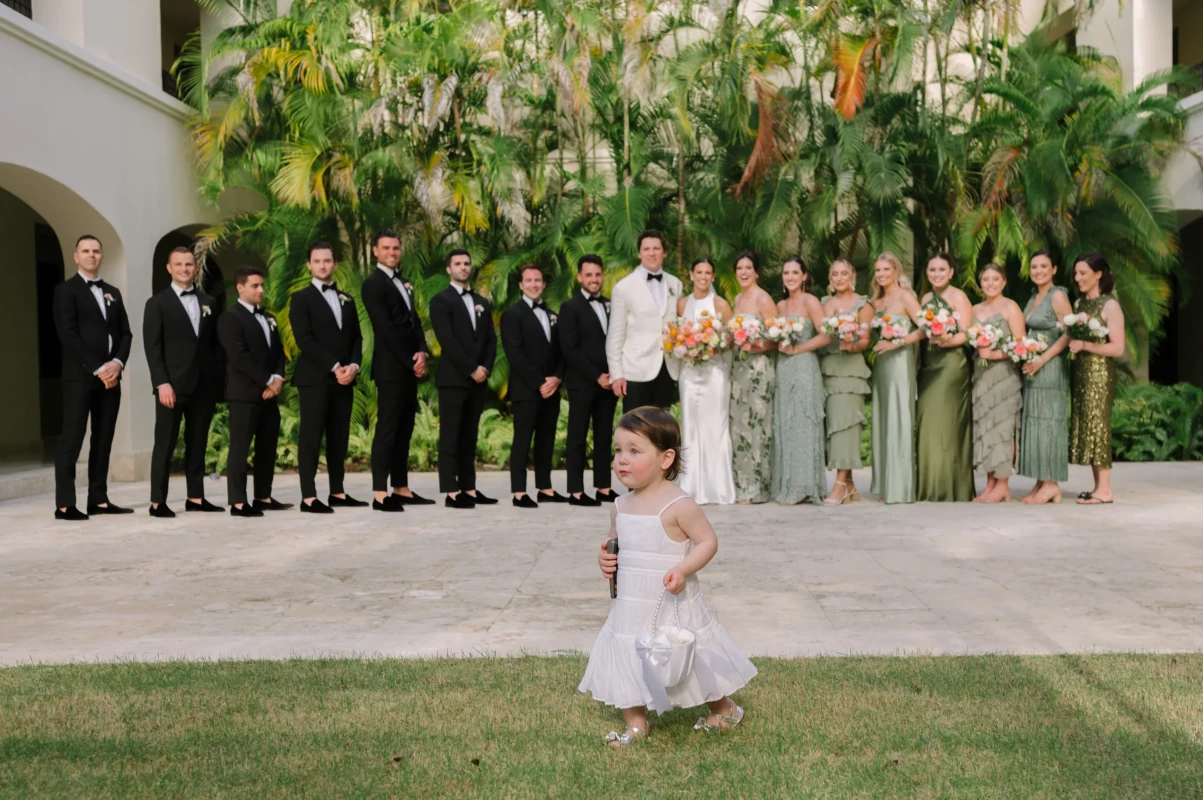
[463,324]
[254,380]
[640,373]
[584,321]
[532,347]
[325,324]
[179,332]
[94,331]
[398,362]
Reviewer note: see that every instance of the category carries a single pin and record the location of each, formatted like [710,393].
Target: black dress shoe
[525,501]
[604,497]
[72,514]
[414,500]
[461,500]
[161,511]
[247,510]
[554,497]
[583,500]
[271,504]
[388,504]
[94,508]
[480,499]
[203,505]
[316,507]
[346,502]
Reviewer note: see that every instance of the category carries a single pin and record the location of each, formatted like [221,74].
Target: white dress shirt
[98,293]
[395,277]
[469,301]
[540,315]
[658,288]
[267,332]
[191,305]
[598,309]
[331,298]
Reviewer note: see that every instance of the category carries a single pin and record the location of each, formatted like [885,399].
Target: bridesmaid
[1094,376]
[752,385]
[942,415]
[894,387]
[798,469]
[1044,433]
[997,390]
[846,382]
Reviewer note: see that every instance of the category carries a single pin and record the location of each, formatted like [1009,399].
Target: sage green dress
[943,422]
[798,440]
[1044,431]
[846,382]
[1093,394]
[751,416]
[893,390]
[997,406]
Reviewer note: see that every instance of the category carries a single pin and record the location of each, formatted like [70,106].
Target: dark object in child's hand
[612,549]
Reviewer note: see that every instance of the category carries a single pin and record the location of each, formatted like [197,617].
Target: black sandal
[1088,499]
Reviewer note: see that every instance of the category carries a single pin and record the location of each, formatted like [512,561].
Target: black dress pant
[538,418]
[82,401]
[397,405]
[594,406]
[259,421]
[661,391]
[324,410]
[459,421]
[196,412]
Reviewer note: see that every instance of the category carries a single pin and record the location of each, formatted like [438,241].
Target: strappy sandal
[850,496]
[1088,499]
[626,738]
[726,721]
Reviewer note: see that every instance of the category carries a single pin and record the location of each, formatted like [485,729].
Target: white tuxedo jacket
[635,341]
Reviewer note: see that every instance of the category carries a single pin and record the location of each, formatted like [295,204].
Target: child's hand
[674,580]
[607,561]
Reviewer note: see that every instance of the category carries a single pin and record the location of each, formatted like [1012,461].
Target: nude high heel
[850,496]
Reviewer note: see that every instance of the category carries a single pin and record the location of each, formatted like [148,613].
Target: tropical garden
[539,130]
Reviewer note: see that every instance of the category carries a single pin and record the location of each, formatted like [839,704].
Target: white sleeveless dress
[705,429]
[614,675]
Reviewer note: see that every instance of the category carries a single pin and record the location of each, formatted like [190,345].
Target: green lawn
[1007,727]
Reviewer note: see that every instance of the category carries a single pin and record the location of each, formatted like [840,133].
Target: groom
[642,302]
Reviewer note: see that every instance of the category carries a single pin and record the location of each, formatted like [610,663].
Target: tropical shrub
[1151,422]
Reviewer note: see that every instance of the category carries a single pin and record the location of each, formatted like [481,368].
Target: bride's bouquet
[746,329]
[937,318]
[785,331]
[843,327]
[987,336]
[696,341]
[1026,348]
[890,328]
[1084,327]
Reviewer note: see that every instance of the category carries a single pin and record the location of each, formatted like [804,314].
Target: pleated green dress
[1044,431]
[893,389]
[943,421]
[997,406]
[846,381]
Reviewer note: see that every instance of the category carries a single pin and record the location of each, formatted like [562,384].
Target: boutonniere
[271,323]
[108,299]
[479,309]
[552,318]
[607,308]
[409,287]
[206,311]
[343,299]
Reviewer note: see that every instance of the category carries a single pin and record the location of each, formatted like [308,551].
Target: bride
[705,395]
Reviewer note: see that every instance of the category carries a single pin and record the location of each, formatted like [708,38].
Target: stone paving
[863,578]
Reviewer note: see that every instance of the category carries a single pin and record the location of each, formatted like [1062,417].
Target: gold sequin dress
[1093,390]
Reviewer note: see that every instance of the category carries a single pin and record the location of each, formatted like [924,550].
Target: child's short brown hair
[661,429]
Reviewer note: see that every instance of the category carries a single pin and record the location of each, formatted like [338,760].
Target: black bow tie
[329,287]
[90,284]
[463,292]
[187,292]
[540,304]
[655,276]
[257,310]
[595,298]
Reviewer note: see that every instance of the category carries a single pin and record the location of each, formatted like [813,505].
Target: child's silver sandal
[627,737]
[727,720]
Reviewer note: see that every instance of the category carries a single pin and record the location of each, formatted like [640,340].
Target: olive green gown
[943,420]
[1044,432]
[893,388]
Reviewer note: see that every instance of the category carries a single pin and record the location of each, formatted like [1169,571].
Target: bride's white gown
[705,397]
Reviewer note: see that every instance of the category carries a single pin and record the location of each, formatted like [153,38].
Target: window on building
[20,6]
[178,20]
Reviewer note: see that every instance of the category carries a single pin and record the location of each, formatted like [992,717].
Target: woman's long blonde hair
[896,262]
[851,268]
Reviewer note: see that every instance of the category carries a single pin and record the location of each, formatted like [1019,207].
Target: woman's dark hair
[702,260]
[1098,263]
[946,258]
[806,281]
[658,427]
[751,256]
[1044,253]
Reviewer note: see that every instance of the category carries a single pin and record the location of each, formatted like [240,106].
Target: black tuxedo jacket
[533,359]
[322,343]
[396,331]
[84,331]
[175,353]
[583,343]
[250,360]
[463,349]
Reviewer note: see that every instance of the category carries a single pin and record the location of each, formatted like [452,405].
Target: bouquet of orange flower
[1026,348]
[986,336]
[746,329]
[843,327]
[696,341]
[937,318]
[890,328]
[785,330]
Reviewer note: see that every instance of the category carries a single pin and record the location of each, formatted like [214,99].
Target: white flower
[1094,324]
[206,311]
[271,321]
[479,310]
